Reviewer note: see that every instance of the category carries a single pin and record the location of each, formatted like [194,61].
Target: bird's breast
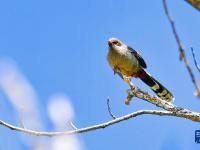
[124,61]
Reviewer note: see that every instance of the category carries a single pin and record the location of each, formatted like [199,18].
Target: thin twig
[20,121]
[195,61]
[73,126]
[181,50]
[109,109]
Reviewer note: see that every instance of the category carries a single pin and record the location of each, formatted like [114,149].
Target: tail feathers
[158,88]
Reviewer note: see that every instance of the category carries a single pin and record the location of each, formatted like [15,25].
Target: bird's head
[115,43]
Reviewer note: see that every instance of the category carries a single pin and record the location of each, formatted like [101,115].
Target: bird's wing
[137,55]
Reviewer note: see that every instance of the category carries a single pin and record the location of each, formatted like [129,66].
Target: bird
[128,63]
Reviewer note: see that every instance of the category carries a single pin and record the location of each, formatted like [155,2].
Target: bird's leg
[120,75]
[133,89]
[129,97]
[127,80]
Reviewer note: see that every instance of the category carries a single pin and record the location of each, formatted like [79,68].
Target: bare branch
[109,109]
[178,111]
[195,61]
[171,110]
[182,54]
[181,50]
[194,3]
[91,128]
[95,127]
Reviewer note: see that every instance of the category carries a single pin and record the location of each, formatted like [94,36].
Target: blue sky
[61,46]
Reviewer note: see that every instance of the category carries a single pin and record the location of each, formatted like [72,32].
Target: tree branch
[194,3]
[177,111]
[170,110]
[181,50]
[91,128]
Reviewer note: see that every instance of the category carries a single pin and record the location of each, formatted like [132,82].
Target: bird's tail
[158,88]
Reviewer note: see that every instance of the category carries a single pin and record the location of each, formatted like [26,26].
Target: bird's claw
[130,96]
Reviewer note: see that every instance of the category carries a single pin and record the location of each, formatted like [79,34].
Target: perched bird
[129,63]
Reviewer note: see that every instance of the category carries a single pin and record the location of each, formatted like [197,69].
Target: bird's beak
[110,43]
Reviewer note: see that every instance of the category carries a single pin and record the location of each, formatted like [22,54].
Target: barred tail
[158,88]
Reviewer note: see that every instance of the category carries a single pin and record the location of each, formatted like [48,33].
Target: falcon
[128,63]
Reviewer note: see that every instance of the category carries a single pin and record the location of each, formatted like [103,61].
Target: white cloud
[24,99]
[61,113]
[20,93]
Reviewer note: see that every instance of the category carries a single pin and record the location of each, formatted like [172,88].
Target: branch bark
[94,127]
[87,129]
[177,111]
[170,110]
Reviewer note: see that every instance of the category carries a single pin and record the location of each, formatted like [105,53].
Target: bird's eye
[116,43]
